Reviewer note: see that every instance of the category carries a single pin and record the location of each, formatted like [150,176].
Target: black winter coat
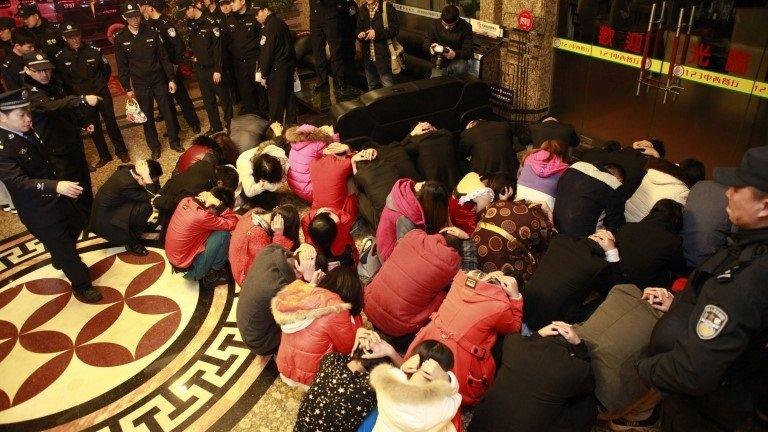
[491,147]
[583,194]
[538,133]
[435,155]
[459,38]
[381,40]
[199,177]
[111,213]
[568,272]
[543,385]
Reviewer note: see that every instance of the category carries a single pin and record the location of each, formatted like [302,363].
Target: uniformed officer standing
[85,70]
[46,33]
[146,74]
[60,120]
[205,43]
[711,358]
[324,22]
[243,32]
[45,204]
[175,47]
[220,15]
[13,67]
[277,64]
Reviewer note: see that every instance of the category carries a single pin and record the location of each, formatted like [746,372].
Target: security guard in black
[277,64]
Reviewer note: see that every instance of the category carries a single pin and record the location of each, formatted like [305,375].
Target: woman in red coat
[330,176]
[316,320]
[470,198]
[254,231]
[478,307]
[328,230]
[412,283]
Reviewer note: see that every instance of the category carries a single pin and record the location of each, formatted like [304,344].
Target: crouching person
[122,206]
[198,236]
[316,318]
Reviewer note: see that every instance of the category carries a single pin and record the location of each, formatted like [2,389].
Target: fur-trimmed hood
[300,136]
[406,406]
[298,304]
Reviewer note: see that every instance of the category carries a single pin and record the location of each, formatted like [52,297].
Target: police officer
[205,43]
[277,64]
[46,33]
[324,27]
[711,359]
[243,32]
[146,73]
[6,25]
[85,70]
[59,119]
[13,67]
[45,204]
[175,47]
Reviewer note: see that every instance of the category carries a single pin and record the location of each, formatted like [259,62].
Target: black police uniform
[205,43]
[243,31]
[143,65]
[86,71]
[47,37]
[710,348]
[59,119]
[51,218]
[324,27]
[13,72]
[277,63]
[175,48]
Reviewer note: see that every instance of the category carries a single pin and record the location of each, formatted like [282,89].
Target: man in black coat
[122,205]
[550,129]
[277,64]
[12,69]
[7,24]
[60,120]
[708,353]
[374,40]
[45,203]
[490,146]
[435,154]
[450,40]
[243,43]
[201,176]
[85,70]
[46,33]
[146,73]
[176,48]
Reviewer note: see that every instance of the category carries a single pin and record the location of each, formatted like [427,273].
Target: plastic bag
[133,112]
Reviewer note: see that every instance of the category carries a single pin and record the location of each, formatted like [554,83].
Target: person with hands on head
[340,397]
[147,75]
[44,203]
[329,231]
[331,180]
[123,206]
[435,153]
[262,169]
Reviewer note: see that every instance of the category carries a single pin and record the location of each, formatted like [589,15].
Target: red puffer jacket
[411,284]
[194,154]
[468,322]
[314,322]
[246,243]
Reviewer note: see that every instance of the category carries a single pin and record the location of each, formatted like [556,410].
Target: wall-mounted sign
[525,21]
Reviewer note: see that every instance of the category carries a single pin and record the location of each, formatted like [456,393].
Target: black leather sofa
[389,114]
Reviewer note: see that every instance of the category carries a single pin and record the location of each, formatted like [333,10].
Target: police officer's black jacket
[459,38]
[205,41]
[57,117]
[85,70]
[29,177]
[172,40]
[243,35]
[141,58]
[276,53]
[712,342]
[323,10]
[13,72]
[47,37]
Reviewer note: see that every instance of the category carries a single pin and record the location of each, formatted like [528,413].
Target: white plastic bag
[133,112]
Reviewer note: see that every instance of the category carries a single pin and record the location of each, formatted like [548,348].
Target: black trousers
[59,238]
[246,86]
[137,222]
[73,166]
[282,107]
[210,91]
[106,108]
[320,33]
[146,95]
[181,97]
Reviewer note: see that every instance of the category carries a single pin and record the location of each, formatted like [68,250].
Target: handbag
[395,48]
[133,111]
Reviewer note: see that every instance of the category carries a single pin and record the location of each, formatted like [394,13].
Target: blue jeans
[214,257]
[373,77]
[455,67]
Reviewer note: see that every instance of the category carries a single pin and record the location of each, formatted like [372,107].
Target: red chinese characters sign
[525,21]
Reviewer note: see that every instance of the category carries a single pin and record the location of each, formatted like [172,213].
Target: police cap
[7,23]
[131,9]
[14,99]
[27,10]
[37,61]
[70,29]
[753,171]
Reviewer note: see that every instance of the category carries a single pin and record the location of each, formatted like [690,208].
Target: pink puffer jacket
[307,144]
